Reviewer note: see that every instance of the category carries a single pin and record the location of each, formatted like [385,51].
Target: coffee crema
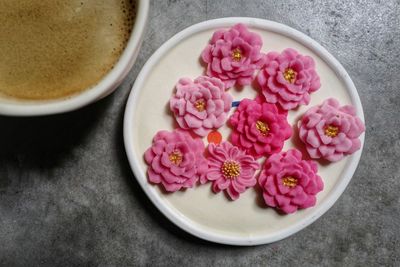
[52,49]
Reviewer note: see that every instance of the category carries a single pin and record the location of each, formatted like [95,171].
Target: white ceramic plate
[198,210]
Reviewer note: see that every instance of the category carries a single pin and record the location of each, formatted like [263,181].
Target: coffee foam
[56,48]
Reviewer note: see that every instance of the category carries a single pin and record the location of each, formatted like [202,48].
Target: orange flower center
[230,169]
[237,54]
[289,181]
[175,157]
[289,75]
[200,105]
[331,131]
[262,127]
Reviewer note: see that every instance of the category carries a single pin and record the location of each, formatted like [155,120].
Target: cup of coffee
[60,55]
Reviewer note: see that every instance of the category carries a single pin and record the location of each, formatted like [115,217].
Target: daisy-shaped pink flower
[200,105]
[175,160]
[230,169]
[259,128]
[330,131]
[288,79]
[233,55]
[290,183]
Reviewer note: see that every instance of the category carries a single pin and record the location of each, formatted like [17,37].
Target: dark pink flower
[233,55]
[230,169]
[288,79]
[330,131]
[259,128]
[200,105]
[175,160]
[290,183]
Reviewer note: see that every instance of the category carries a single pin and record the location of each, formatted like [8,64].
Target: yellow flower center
[262,127]
[289,181]
[289,75]
[230,169]
[200,105]
[237,54]
[175,157]
[331,131]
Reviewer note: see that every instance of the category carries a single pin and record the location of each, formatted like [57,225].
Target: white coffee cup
[106,86]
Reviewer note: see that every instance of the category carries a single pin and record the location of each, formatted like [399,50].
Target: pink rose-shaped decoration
[288,79]
[175,160]
[290,183]
[259,128]
[230,169]
[200,105]
[330,131]
[233,55]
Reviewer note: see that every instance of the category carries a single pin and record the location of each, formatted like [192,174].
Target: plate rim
[185,223]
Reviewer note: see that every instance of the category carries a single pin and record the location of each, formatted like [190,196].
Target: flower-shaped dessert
[259,128]
[290,183]
[230,169]
[175,160]
[200,105]
[330,131]
[288,79]
[233,55]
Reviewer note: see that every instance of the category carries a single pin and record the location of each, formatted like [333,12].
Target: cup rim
[106,85]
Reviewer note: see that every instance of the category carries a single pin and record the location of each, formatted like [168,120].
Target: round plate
[246,221]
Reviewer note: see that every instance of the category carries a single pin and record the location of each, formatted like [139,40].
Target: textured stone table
[68,197]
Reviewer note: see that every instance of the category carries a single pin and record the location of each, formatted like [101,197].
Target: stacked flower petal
[330,131]
[259,128]
[233,55]
[288,79]
[200,105]
[175,160]
[230,169]
[290,183]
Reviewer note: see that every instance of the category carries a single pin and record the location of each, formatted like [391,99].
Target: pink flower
[200,105]
[259,128]
[290,183]
[288,79]
[233,55]
[230,169]
[330,131]
[175,160]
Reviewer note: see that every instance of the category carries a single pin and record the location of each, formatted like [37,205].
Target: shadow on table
[139,195]
[44,142]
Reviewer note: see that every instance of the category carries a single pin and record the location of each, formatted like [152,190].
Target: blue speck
[235,104]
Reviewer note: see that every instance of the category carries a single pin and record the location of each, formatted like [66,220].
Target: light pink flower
[288,79]
[259,128]
[200,105]
[175,160]
[290,183]
[233,55]
[230,169]
[330,131]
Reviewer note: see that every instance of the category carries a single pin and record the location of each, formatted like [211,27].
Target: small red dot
[214,137]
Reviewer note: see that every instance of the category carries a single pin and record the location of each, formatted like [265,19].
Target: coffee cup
[22,74]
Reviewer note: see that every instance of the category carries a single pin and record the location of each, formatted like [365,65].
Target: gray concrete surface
[68,197]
